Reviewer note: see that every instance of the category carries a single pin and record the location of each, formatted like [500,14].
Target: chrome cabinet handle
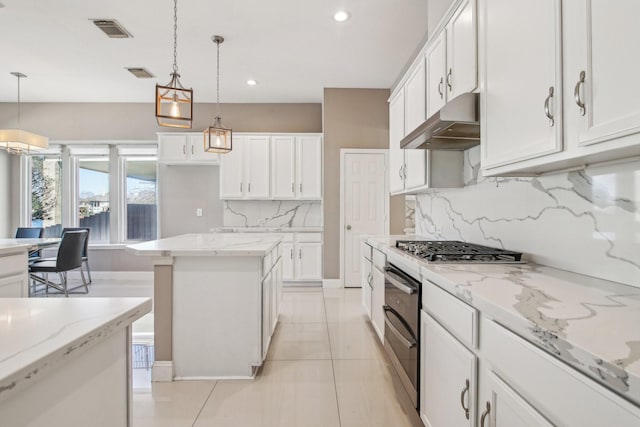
[192,149]
[241,187]
[440,87]
[301,187]
[408,343]
[370,279]
[184,149]
[398,284]
[484,414]
[464,391]
[291,253]
[300,253]
[547,110]
[450,88]
[576,93]
[249,187]
[293,187]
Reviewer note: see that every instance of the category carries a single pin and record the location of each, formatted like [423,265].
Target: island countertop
[38,334]
[589,323]
[211,244]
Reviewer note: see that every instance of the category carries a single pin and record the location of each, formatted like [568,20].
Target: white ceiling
[293,48]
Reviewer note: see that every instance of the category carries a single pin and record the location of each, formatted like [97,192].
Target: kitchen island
[14,260]
[67,362]
[216,303]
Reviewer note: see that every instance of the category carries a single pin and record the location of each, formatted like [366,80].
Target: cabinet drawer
[13,264]
[309,237]
[549,384]
[379,259]
[458,317]
[366,250]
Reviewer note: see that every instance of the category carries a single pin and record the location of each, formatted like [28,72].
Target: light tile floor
[325,367]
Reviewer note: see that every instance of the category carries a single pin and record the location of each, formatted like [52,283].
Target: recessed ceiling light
[252,82]
[341,15]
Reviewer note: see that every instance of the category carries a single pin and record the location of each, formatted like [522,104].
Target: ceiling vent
[112,28]
[140,73]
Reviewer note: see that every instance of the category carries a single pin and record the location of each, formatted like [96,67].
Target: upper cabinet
[521,114]
[184,148]
[531,122]
[462,51]
[296,167]
[272,167]
[414,98]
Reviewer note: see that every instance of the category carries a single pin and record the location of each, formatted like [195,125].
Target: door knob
[348,227]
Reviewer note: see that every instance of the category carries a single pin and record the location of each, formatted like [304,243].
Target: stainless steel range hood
[455,127]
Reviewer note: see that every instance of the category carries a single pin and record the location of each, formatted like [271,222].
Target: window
[140,198]
[46,194]
[93,197]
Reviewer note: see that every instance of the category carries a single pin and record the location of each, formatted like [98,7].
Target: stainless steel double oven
[402,319]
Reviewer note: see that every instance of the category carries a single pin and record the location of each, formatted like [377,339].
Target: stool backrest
[29,233]
[70,250]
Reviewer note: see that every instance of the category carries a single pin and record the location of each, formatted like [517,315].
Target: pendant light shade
[217,138]
[174,103]
[18,141]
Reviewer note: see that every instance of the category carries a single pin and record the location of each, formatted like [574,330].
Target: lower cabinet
[372,274]
[367,284]
[501,406]
[448,378]
[271,298]
[377,301]
[266,314]
[302,257]
[14,286]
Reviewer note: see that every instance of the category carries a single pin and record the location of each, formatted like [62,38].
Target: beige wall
[181,191]
[5,194]
[353,118]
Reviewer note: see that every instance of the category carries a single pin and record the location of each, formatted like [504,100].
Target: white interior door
[364,207]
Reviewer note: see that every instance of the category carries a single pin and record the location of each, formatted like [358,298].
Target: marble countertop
[267,230]
[213,244]
[591,324]
[37,334]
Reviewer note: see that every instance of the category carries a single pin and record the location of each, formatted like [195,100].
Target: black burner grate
[453,251]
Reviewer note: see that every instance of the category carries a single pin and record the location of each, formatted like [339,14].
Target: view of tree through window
[141,198]
[93,200]
[46,194]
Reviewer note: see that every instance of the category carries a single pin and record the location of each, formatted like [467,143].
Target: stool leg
[63,282]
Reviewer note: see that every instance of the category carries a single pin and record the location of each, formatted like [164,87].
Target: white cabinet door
[396,133]
[274,297]
[266,315]
[172,148]
[257,169]
[283,160]
[366,283]
[231,171]
[309,167]
[287,261]
[414,98]
[448,377]
[602,42]
[14,287]
[309,261]
[196,150]
[415,168]
[436,55]
[462,73]
[377,301]
[500,406]
[521,45]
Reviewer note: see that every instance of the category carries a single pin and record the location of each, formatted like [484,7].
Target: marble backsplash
[272,213]
[586,221]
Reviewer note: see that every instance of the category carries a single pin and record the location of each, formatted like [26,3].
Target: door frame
[343,154]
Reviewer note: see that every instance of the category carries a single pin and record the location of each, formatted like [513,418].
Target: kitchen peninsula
[216,303]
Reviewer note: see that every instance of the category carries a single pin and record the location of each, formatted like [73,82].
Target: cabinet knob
[576,93]
[464,391]
[547,109]
[484,414]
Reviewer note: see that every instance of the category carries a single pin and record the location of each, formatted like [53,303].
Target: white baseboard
[162,371]
[331,284]
[302,284]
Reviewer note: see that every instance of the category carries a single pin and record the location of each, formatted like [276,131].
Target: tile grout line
[195,420]
[333,368]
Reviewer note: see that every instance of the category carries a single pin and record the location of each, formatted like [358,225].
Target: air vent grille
[140,73]
[112,28]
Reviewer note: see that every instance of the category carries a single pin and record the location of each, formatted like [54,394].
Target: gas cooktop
[455,251]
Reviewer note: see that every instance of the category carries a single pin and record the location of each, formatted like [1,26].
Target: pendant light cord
[19,123]
[218,78]
[175,36]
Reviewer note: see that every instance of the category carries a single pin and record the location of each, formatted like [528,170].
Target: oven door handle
[391,277]
[408,343]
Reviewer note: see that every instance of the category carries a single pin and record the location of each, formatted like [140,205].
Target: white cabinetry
[296,167]
[396,133]
[14,279]
[377,293]
[302,257]
[366,267]
[271,296]
[436,55]
[184,148]
[414,96]
[448,378]
[521,110]
[244,172]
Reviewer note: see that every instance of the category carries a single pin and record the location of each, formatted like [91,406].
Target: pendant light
[18,141]
[174,103]
[217,138]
